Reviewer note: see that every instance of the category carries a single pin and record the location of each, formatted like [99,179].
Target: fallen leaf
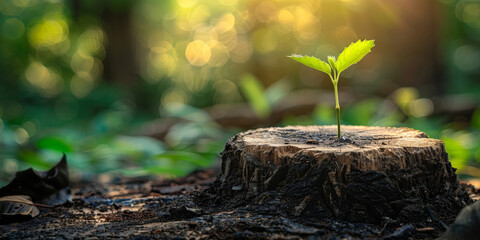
[19,207]
[48,187]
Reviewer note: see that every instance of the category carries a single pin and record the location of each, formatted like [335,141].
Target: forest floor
[182,208]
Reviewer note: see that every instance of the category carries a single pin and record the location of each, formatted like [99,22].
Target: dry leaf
[18,205]
[48,187]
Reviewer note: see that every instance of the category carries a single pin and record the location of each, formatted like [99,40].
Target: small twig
[425,229]
[432,216]
[445,227]
[42,205]
[430,213]
[388,220]
[34,204]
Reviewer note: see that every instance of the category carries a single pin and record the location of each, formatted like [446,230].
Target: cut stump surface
[374,174]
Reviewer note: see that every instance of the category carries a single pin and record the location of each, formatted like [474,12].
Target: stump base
[376,173]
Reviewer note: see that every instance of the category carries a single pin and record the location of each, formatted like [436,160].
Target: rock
[466,225]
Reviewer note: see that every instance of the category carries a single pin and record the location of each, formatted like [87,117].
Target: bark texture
[374,175]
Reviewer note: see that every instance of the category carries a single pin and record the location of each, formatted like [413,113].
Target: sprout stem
[337,107]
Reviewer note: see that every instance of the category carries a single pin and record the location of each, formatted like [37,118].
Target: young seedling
[349,56]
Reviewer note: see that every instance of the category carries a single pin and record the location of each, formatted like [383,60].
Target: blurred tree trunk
[419,34]
[407,32]
[119,65]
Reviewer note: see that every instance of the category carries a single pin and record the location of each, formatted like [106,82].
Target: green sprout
[349,56]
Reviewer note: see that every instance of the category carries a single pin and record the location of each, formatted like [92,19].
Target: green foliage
[458,154]
[254,93]
[323,115]
[332,62]
[349,56]
[362,113]
[475,122]
[277,91]
[353,54]
[312,62]
[55,143]
[204,160]
[106,145]
[58,92]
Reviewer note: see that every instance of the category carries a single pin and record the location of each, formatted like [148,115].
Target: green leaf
[191,157]
[354,53]
[457,153]
[312,62]
[254,93]
[169,170]
[33,159]
[277,91]
[55,143]
[332,61]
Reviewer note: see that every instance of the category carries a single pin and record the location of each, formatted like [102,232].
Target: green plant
[349,56]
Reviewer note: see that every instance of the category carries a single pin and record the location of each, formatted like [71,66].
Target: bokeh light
[81,84]
[198,53]
[21,135]
[64,63]
[45,80]
[404,96]
[48,33]
[421,107]
[13,28]
[467,57]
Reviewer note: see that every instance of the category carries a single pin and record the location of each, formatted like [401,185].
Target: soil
[210,204]
[181,209]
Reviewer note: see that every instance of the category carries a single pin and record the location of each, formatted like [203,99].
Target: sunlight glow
[81,85]
[242,52]
[164,64]
[46,81]
[174,96]
[187,3]
[264,40]
[421,107]
[265,11]
[285,16]
[48,33]
[21,136]
[198,17]
[81,63]
[198,53]
[10,166]
[91,41]
[469,13]
[219,54]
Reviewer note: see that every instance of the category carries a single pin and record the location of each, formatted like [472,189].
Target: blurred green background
[156,87]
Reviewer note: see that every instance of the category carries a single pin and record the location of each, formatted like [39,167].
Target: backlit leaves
[312,62]
[254,93]
[332,62]
[354,53]
[350,55]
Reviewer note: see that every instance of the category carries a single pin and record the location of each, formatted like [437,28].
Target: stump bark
[374,174]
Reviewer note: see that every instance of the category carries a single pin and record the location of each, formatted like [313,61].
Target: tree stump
[374,174]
